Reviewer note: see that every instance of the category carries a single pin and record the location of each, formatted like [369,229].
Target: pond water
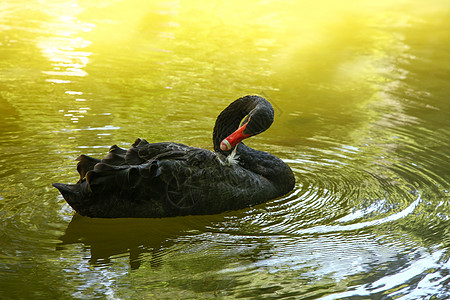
[360,90]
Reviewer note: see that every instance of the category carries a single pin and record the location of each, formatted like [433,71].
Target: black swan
[171,179]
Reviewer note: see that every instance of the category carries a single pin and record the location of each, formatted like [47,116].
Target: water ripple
[357,226]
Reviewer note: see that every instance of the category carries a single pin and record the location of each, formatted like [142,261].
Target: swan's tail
[112,181]
[72,193]
[106,181]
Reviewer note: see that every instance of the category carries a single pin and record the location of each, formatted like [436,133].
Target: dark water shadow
[106,238]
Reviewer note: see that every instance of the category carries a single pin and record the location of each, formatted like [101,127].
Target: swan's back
[161,180]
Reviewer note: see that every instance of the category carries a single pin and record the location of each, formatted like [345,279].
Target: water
[361,99]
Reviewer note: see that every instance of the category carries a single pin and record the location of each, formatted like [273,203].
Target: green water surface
[361,94]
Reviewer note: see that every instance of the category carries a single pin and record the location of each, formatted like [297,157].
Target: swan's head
[257,121]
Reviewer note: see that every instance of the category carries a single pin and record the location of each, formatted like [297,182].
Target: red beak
[233,139]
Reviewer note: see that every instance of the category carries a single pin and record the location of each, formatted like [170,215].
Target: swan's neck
[259,162]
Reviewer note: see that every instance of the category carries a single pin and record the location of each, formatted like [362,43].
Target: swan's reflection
[136,237]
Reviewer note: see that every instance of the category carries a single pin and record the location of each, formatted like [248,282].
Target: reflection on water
[107,238]
[63,52]
[362,119]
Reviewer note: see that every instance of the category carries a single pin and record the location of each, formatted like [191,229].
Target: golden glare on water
[64,49]
[361,105]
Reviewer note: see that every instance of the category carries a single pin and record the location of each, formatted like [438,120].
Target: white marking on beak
[225,145]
